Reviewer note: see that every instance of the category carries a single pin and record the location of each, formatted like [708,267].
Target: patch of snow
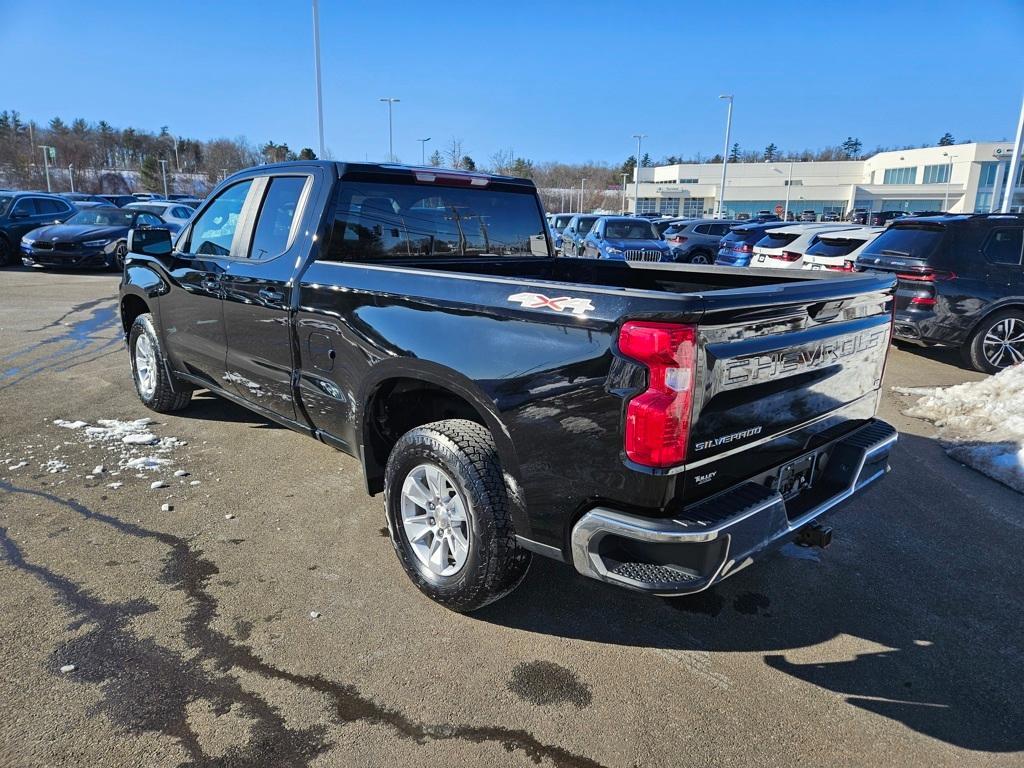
[140,438]
[157,484]
[99,470]
[53,466]
[115,486]
[19,465]
[69,424]
[146,462]
[982,422]
[180,473]
[166,508]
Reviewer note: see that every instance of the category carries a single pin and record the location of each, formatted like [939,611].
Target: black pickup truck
[659,426]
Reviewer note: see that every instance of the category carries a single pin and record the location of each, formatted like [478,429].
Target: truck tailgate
[775,368]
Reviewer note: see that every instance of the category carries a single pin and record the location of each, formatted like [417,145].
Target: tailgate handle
[824,311]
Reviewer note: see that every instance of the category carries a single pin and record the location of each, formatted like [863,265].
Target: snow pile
[128,438]
[982,422]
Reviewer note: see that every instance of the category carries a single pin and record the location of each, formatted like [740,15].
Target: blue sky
[568,81]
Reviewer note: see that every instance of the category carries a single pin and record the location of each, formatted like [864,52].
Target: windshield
[776,239]
[156,210]
[5,203]
[906,242]
[585,223]
[379,220]
[102,218]
[629,229]
[561,222]
[834,247]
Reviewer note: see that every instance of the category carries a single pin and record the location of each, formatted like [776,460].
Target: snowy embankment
[981,423]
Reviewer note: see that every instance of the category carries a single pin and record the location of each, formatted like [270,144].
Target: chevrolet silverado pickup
[658,426]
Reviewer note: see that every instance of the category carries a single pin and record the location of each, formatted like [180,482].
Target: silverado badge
[539,301]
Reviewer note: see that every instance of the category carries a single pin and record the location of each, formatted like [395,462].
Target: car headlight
[613,250]
[96,243]
[27,243]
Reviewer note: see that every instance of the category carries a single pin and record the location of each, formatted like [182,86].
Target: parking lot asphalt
[288,635]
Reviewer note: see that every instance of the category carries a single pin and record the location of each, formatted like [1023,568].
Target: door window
[27,206]
[1005,246]
[214,231]
[45,206]
[148,220]
[278,212]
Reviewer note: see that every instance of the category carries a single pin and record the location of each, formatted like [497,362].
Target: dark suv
[961,283]
[21,212]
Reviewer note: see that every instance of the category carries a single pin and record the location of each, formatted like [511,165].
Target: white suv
[784,248]
[838,251]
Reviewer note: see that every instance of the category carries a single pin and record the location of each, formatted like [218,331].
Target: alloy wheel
[1003,344]
[145,366]
[435,520]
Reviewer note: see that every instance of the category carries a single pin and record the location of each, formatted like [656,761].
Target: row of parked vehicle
[81,230]
[960,276]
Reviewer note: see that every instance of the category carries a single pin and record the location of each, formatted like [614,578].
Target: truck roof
[344,168]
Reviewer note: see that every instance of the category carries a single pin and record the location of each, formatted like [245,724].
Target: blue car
[737,248]
[625,238]
[575,231]
[559,221]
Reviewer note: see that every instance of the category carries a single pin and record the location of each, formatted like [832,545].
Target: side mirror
[151,242]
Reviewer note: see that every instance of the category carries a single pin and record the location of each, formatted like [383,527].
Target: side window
[26,206]
[181,212]
[1005,246]
[45,206]
[148,220]
[214,230]
[274,225]
[702,229]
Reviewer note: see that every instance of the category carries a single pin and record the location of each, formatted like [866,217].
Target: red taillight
[658,420]
[744,248]
[923,301]
[788,256]
[929,276]
[677,239]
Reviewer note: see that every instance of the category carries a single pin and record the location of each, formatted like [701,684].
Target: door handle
[210,284]
[269,294]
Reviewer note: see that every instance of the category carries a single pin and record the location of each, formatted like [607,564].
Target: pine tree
[467,163]
[947,140]
[436,159]
[307,154]
[770,152]
[851,147]
[734,153]
[150,174]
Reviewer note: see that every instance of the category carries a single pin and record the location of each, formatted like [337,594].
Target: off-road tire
[973,352]
[466,452]
[165,398]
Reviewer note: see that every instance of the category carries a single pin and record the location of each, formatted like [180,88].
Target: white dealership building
[962,178]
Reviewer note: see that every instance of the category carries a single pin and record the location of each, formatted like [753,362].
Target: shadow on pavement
[209,407]
[937,587]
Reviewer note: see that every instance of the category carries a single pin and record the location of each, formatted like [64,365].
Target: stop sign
[778,210]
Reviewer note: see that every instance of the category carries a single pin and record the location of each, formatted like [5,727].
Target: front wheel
[700,257]
[449,515]
[998,342]
[152,379]
[120,252]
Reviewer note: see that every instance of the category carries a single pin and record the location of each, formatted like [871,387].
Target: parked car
[81,197]
[559,221]
[662,225]
[625,238]
[575,231]
[859,216]
[737,247]
[808,216]
[119,201]
[147,196]
[21,212]
[784,248]
[172,212]
[831,216]
[961,283]
[696,241]
[837,251]
[881,218]
[636,423]
[96,237]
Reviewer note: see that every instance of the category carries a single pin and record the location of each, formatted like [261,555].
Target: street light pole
[583,184]
[423,150]
[623,208]
[949,177]
[71,176]
[319,90]
[725,155]
[789,186]
[1014,171]
[391,134]
[46,165]
[163,172]
[636,172]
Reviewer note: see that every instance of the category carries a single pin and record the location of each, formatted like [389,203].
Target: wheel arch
[1012,302]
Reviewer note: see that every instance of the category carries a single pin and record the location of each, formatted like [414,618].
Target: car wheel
[997,343]
[120,252]
[152,380]
[449,515]
[5,252]
[700,257]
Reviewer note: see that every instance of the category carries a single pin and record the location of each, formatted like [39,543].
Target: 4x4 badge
[540,301]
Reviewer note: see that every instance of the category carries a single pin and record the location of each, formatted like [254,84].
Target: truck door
[258,291]
[191,314]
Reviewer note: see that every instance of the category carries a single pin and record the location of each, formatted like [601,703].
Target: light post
[725,154]
[789,186]
[949,177]
[71,176]
[177,162]
[623,208]
[46,163]
[163,172]
[583,184]
[316,63]
[391,134]
[636,173]
[423,150]
[1014,170]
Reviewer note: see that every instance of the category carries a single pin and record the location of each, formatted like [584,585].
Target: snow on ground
[133,443]
[981,422]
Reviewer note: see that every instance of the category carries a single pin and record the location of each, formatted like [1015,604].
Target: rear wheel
[152,380]
[6,252]
[700,257]
[449,515]
[997,343]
